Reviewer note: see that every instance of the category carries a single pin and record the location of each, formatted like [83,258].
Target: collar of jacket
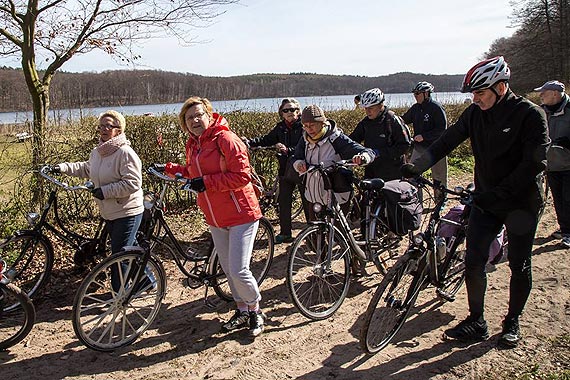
[499,108]
[560,110]
[220,124]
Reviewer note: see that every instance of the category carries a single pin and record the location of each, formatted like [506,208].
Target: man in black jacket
[508,136]
[429,121]
[385,133]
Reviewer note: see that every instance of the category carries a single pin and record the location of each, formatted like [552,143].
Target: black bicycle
[428,260]
[324,253]
[122,296]
[17,313]
[29,253]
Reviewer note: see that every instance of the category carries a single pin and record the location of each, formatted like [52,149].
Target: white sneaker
[566,241]
[256,323]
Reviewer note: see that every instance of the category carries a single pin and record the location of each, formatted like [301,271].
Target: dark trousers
[483,228]
[559,184]
[123,232]
[286,189]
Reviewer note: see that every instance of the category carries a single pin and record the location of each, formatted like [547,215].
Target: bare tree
[46,34]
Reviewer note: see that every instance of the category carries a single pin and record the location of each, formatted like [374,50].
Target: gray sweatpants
[234,246]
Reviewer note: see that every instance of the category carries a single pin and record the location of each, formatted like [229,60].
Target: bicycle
[269,191]
[428,260]
[29,253]
[108,314]
[17,313]
[319,265]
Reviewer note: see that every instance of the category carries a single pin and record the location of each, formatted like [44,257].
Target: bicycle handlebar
[44,172]
[465,194]
[178,179]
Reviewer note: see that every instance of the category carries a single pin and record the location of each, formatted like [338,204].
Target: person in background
[284,136]
[217,165]
[556,104]
[324,143]
[508,136]
[116,171]
[385,134]
[429,121]
[356,101]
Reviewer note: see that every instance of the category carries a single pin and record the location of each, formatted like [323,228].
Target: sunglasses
[287,110]
[106,127]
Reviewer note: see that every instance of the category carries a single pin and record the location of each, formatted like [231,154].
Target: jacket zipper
[205,192]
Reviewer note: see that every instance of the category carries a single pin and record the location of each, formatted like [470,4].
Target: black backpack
[403,208]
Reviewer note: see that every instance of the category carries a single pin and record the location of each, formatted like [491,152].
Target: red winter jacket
[220,158]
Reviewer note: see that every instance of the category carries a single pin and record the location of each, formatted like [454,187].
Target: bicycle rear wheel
[15,324]
[261,259]
[317,287]
[389,307]
[30,257]
[109,310]
[384,243]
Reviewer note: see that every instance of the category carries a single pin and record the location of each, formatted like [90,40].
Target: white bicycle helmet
[485,74]
[371,98]
[423,87]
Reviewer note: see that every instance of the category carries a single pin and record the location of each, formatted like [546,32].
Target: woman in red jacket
[218,165]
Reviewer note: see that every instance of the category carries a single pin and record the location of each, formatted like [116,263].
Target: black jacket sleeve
[269,139]
[346,148]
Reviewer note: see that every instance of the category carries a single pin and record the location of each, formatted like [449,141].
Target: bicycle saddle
[371,184]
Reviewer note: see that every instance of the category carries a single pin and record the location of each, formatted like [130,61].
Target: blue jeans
[123,232]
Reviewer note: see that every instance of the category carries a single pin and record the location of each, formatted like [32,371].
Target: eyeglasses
[287,110]
[106,127]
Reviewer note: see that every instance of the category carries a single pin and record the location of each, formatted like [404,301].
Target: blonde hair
[293,101]
[190,102]
[115,115]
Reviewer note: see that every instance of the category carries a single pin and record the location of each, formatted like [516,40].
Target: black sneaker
[469,330]
[511,334]
[256,322]
[238,321]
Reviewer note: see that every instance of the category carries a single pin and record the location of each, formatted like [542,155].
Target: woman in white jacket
[116,171]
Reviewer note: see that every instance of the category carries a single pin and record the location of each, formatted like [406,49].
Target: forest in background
[130,87]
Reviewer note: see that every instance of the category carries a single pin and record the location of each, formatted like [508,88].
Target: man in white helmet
[385,133]
[508,136]
[429,121]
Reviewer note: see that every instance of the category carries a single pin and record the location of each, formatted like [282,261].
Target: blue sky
[370,38]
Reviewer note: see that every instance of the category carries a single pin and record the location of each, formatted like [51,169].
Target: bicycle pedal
[444,296]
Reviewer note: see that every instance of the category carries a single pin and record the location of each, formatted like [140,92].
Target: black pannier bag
[403,208]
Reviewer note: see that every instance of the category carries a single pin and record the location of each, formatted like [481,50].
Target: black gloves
[485,199]
[196,184]
[98,193]
[54,169]
[410,171]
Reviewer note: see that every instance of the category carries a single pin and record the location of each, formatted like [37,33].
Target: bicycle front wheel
[30,257]
[383,242]
[15,324]
[391,304]
[318,286]
[452,272]
[261,259]
[110,310]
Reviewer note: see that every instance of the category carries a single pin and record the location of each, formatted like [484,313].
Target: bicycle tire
[315,291]
[101,319]
[261,259]
[452,271]
[15,324]
[385,244]
[389,307]
[30,257]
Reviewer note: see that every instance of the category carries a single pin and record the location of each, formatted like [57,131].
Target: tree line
[130,87]
[539,48]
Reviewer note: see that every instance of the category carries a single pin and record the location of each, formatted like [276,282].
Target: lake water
[264,104]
